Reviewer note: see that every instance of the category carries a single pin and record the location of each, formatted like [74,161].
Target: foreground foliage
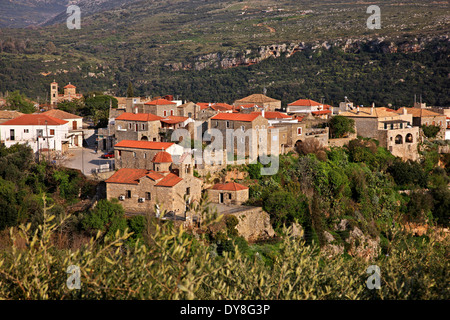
[175,265]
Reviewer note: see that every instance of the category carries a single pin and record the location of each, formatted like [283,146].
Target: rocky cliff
[235,58]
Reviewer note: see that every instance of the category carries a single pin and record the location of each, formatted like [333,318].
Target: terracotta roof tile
[138,117]
[418,112]
[60,114]
[257,98]
[69,86]
[152,145]
[169,181]
[33,120]
[162,157]
[127,176]
[321,112]
[304,103]
[230,186]
[235,117]
[173,119]
[160,102]
[273,115]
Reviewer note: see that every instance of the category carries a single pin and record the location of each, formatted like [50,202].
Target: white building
[39,131]
[75,126]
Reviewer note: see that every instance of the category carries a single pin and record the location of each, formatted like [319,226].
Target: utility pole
[48,142]
[82,151]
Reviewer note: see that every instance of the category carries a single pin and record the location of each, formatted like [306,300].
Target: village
[159,155]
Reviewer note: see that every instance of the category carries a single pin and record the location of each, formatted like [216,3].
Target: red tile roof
[162,157]
[56,113]
[321,112]
[273,115]
[69,86]
[169,181]
[305,103]
[173,119]
[152,145]
[127,176]
[154,175]
[159,102]
[138,117]
[419,112]
[33,120]
[235,117]
[230,186]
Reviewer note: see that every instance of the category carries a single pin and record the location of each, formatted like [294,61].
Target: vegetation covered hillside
[163,47]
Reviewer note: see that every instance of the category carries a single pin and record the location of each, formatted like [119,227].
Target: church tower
[54,93]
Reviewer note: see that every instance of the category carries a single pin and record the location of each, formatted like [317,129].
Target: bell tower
[54,93]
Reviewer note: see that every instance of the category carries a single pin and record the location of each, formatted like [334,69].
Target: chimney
[405,112]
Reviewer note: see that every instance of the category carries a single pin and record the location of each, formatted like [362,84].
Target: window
[136,127]
[228,124]
[165,113]
[242,139]
[39,132]
[52,132]
[129,125]
[119,153]
[26,131]
[148,196]
[145,156]
[128,194]
[12,135]
[143,126]
[171,112]
[385,126]
[190,114]
[299,131]
[229,196]
[243,128]
[188,191]
[134,154]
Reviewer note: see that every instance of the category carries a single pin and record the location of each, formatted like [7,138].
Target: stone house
[246,130]
[263,101]
[394,131]
[137,126]
[140,154]
[159,107]
[422,117]
[140,190]
[228,193]
[189,110]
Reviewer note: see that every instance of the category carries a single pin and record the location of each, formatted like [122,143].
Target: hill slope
[156,43]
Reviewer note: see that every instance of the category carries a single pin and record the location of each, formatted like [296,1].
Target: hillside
[163,45]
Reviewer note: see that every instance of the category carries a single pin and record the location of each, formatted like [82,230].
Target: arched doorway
[144,138]
[398,139]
